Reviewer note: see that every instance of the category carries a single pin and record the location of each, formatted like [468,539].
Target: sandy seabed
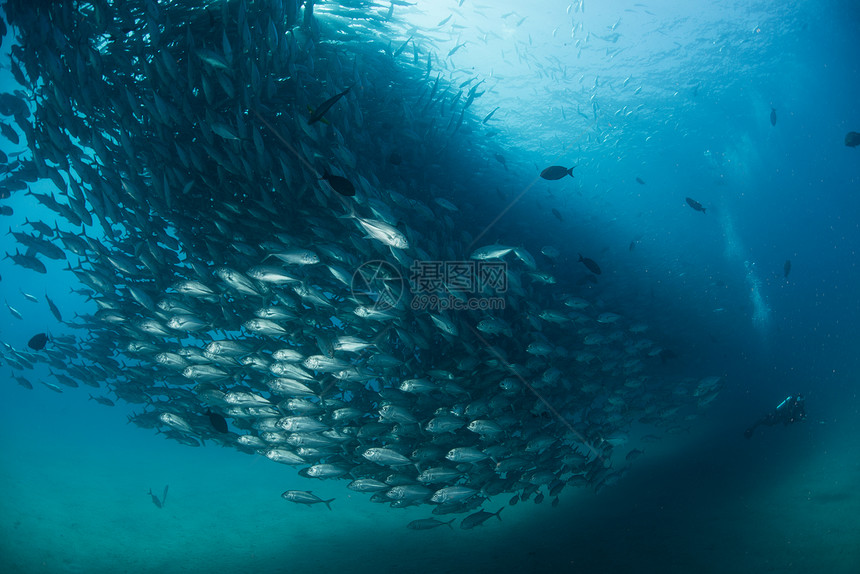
[75,500]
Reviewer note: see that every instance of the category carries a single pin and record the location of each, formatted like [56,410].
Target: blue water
[75,476]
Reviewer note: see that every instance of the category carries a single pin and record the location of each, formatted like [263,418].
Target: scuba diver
[788,411]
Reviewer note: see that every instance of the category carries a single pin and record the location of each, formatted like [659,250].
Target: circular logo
[379,283]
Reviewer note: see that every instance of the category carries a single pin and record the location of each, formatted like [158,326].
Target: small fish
[15,313]
[852,139]
[501,159]
[326,106]
[305,497]
[340,184]
[37,342]
[54,309]
[155,499]
[557,214]
[479,518]
[634,454]
[455,48]
[639,181]
[772,117]
[428,523]
[632,246]
[786,268]
[103,401]
[555,172]
[6,210]
[590,264]
[29,297]
[488,116]
[218,422]
[695,204]
[381,231]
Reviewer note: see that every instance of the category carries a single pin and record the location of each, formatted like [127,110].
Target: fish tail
[498,514]
[350,215]
[450,522]
[328,503]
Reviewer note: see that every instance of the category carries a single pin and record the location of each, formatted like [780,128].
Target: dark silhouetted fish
[852,139]
[428,523]
[634,454]
[340,184]
[37,342]
[155,500]
[786,269]
[103,401]
[219,423]
[9,132]
[501,159]
[479,518]
[557,214]
[326,106]
[632,246]
[590,264]
[695,204]
[772,117]
[395,159]
[639,181]
[488,116]
[6,210]
[54,309]
[554,172]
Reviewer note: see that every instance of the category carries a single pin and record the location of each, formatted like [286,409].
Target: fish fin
[328,503]
[450,522]
[350,215]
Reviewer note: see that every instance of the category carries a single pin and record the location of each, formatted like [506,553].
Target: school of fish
[246,193]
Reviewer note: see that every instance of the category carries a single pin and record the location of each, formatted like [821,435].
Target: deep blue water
[711,287]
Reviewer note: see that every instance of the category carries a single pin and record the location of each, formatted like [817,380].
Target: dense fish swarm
[263,282]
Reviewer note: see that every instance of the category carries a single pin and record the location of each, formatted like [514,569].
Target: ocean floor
[75,500]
